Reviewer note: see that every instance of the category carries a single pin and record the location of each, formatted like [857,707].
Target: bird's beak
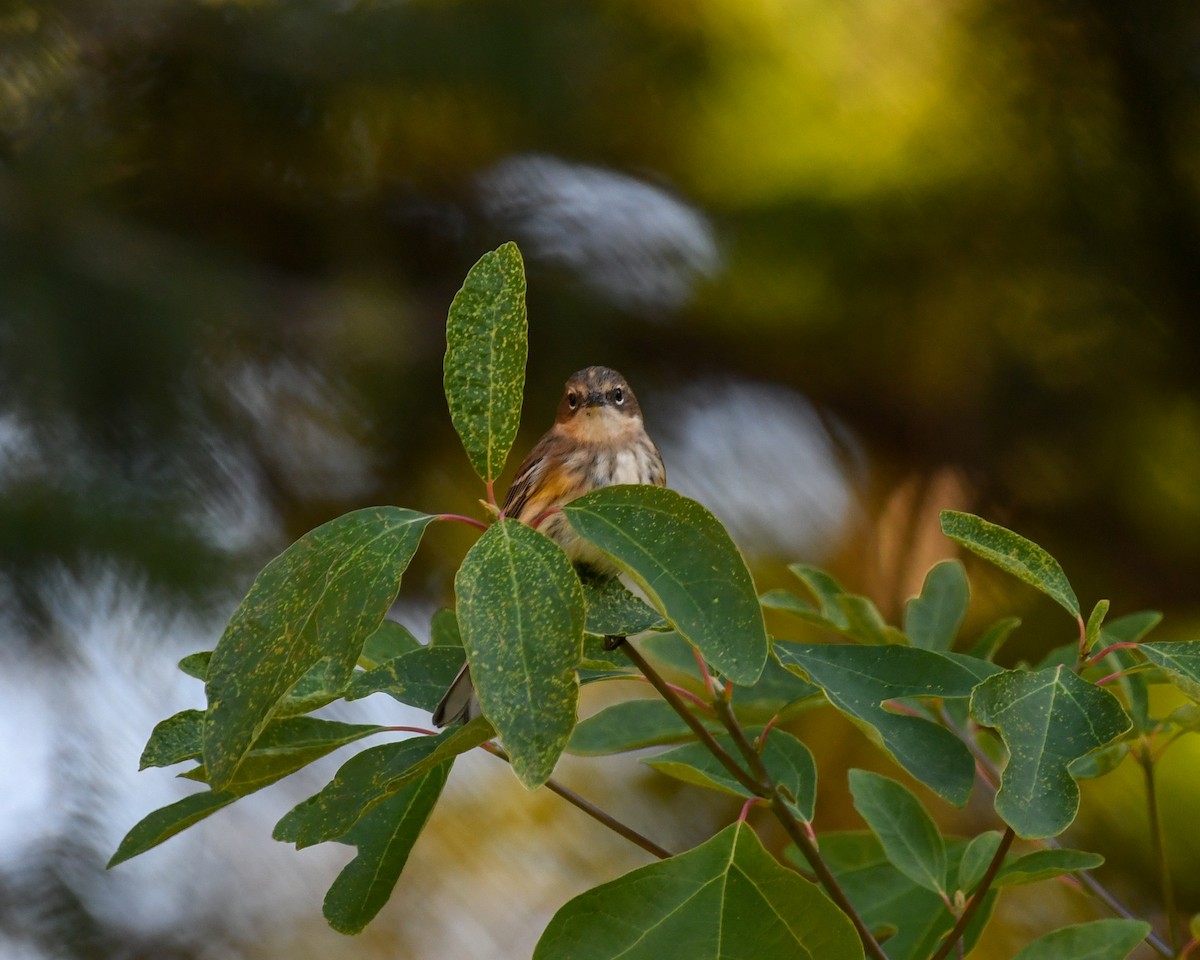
[595,399]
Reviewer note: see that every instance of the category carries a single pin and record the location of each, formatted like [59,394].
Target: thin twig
[698,728]
[960,928]
[1097,657]
[808,849]
[591,810]
[1166,883]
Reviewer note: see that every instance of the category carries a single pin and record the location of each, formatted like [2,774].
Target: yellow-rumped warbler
[598,439]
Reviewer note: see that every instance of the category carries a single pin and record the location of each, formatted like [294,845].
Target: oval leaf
[521,613]
[858,681]
[687,564]
[1045,864]
[486,348]
[165,822]
[787,759]
[1180,661]
[1047,719]
[710,903]
[888,900]
[371,777]
[1012,553]
[629,725]
[931,620]
[319,599]
[1098,940]
[384,838]
[909,836]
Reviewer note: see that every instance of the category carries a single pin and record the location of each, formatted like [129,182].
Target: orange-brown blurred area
[861,261]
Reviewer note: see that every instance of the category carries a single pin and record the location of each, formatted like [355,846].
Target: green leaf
[1098,940]
[320,599]
[384,837]
[1012,553]
[789,762]
[391,640]
[778,691]
[858,680]
[788,602]
[486,349]
[976,858]
[1101,762]
[727,899]
[370,777]
[520,609]
[687,564]
[827,591]
[196,664]
[866,623]
[323,684]
[1130,628]
[1181,662]
[909,836]
[612,610]
[1047,719]
[1134,687]
[167,821]
[932,619]
[1045,864]
[419,678]
[443,629]
[992,639]
[1094,622]
[286,746]
[629,725]
[888,900]
[174,740]
[853,616]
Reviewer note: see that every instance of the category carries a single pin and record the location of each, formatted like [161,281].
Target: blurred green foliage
[969,229]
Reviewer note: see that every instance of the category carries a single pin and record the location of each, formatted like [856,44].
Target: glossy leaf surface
[728,899]
[687,564]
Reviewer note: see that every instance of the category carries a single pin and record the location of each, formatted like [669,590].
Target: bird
[598,439]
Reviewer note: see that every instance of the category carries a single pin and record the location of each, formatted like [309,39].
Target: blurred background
[861,261]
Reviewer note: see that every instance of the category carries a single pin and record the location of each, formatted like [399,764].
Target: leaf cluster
[312,629]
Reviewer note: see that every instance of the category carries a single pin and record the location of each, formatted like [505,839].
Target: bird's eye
[618,396]
[572,401]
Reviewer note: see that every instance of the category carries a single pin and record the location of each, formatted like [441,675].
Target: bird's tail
[459,704]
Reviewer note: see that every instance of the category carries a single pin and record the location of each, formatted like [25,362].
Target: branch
[698,728]
[592,810]
[803,841]
[960,928]
[1160,853]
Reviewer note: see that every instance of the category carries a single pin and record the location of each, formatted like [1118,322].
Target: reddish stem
[1097,657]
[762,737]
[491,492]
[753,801]
[459,518]
[420,730]
[686,694]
